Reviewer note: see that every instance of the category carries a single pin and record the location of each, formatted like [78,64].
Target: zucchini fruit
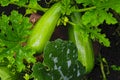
[83,43]
[44,28]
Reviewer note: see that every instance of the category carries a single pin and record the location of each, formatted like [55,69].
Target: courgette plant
[71,59]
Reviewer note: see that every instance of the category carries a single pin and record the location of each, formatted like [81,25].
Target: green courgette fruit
[44,28]
[83,43]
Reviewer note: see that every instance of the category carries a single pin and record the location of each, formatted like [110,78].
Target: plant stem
[39,8]
[71,23]
[102,68]
[84,9]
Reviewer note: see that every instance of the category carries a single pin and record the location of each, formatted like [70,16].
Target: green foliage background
[15,28]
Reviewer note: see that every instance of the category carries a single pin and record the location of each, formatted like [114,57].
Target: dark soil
[111,54]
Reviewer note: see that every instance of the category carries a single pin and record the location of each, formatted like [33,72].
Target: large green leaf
[14,30]
[60,59]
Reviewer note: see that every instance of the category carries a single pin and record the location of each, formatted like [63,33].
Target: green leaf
[85,2]
[110,19]
[21,54]
[34,4]
[5,73]
[6,2]
[14,30]
[21,2]
[95,34]
[66,8]
[60,59]
[115,67]
[113,4]
[40,72]
[66,52]
[97,17]
[78,1]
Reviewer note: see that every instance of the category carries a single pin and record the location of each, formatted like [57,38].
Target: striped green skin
[44,28]
[83,44]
